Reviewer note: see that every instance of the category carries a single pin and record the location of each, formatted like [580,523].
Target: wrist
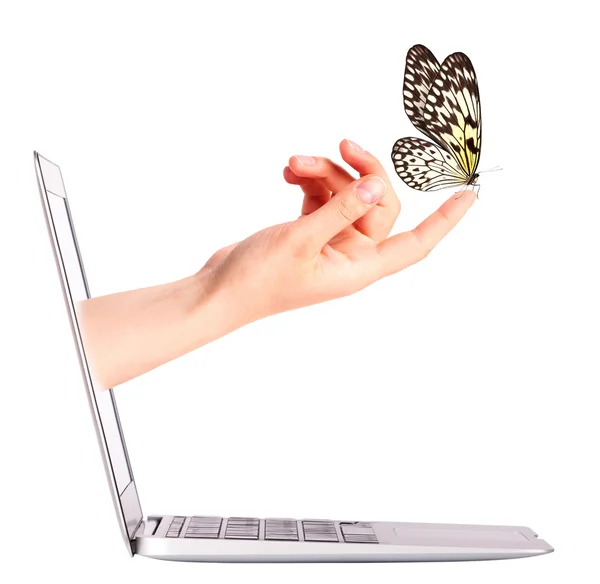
[214,312]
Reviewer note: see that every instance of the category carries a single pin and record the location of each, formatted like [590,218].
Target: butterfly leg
[474,188]
[462,192]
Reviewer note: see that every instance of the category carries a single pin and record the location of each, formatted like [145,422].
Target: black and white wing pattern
[425,166]
[420,71]
[449,114]
[453,112]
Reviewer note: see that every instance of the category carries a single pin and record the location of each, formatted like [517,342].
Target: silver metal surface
[398,542]
[102,404]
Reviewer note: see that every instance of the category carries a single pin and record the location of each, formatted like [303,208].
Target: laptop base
[246,539]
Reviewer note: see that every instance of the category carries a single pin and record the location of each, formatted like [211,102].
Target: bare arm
[129,333]
[338,246]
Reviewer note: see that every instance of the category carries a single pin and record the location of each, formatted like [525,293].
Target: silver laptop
[209,538]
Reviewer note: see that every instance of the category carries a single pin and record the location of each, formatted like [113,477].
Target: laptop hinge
[134,532]
[146,527]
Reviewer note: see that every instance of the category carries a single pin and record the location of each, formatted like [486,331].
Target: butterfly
[442,101]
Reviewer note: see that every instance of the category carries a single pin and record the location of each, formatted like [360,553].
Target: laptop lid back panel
[102,402]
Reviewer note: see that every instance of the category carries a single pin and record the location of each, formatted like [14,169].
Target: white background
[462,390]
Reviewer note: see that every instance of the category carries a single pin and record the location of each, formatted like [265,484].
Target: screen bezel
[126,503]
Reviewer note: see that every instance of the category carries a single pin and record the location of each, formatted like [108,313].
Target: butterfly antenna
[494,169]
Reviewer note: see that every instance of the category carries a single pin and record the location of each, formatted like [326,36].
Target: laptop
[210,538]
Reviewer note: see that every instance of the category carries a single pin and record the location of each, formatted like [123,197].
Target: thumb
[344,208]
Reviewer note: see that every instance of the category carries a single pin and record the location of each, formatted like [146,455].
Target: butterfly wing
[419,73]
[425,166]
[452,113]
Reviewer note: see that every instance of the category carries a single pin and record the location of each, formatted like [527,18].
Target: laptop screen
[75,291]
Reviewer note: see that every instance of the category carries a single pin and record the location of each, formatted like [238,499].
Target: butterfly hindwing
[419,73]
[425,166]
[452,113]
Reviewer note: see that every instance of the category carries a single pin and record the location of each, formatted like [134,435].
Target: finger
[378,223]
[342,210]
[402,250]
[315,194]
[294,179]
[365,163]
[329,174]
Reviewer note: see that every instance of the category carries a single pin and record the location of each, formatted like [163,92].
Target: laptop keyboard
[252,528]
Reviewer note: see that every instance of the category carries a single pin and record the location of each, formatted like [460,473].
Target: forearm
[130,333]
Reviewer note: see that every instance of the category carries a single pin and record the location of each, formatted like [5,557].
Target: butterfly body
[442,101]
[473,179]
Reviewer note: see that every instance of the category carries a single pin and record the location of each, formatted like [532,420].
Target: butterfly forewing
[452,114]
[425,166]
[420,71]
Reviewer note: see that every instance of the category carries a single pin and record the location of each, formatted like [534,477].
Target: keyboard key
[320,531]
[204,527]
[192,534]
[242,528]
[361,538]
[358,533]
[281,529]
[174,529]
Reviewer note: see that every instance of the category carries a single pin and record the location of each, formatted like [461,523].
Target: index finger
[403,250]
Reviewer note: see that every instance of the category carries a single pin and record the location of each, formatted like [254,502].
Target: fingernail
[355,146]
[305,160]
[371,190]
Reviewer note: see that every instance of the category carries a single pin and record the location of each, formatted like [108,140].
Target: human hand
[338,246]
